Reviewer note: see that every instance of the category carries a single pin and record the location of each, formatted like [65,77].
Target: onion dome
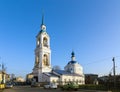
[72,59]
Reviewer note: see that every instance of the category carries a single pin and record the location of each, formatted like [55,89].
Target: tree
[12,76]
[56,67]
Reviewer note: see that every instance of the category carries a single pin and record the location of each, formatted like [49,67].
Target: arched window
[53,81]
[38,42]
[45,42]
[37,61]
[45,60]
[69,80]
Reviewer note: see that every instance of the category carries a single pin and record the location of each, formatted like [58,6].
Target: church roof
[63,72]
[42,31]
[50,74]
[72,62]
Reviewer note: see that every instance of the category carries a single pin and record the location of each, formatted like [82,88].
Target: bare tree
[56,67]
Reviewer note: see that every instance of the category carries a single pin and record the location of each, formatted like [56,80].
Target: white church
[43,72]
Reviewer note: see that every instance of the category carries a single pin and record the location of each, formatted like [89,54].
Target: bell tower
[42,53]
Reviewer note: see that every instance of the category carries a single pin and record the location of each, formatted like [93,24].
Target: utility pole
[2,73]
[114,72]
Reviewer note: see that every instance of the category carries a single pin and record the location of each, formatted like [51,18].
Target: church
[43,72]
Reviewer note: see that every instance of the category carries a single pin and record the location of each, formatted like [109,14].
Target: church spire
[43,27]
[42,19]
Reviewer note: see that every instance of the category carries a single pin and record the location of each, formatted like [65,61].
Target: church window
[45,42]
[38,42]
[65,80]
[37,61]
[71,70]
[79,81]
[69,80]
[53,81]
[45,60]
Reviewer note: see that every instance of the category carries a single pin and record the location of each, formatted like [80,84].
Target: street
[37,89]
[30,89]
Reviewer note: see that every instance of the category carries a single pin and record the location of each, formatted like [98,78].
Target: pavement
[38,89]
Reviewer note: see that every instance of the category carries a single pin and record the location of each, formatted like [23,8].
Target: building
[29,78]
[4,77]
[19,79]
[42,71]
[109,79]
[91,79]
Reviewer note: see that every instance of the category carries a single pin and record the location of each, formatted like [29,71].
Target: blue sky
[89,27]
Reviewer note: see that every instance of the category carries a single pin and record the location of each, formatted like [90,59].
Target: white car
[9,86]
[54,86]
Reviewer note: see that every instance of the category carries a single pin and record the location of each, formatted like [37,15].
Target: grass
[93,87]
[98,87]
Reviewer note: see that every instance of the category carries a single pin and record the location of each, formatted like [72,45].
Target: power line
[98,61]
[101,60]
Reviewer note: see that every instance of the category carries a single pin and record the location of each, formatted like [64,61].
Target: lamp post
[2,73]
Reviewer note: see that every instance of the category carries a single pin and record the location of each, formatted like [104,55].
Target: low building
[109,79]
[91,79]
[4,77]
[29,78]
[19,79]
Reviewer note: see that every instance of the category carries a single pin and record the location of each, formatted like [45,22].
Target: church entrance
[36,78]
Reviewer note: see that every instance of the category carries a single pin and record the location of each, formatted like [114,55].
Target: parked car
[8,86]
[51,85]
[35,84]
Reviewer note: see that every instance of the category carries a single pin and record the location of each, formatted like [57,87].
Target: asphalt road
[33,89]
[30,89]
